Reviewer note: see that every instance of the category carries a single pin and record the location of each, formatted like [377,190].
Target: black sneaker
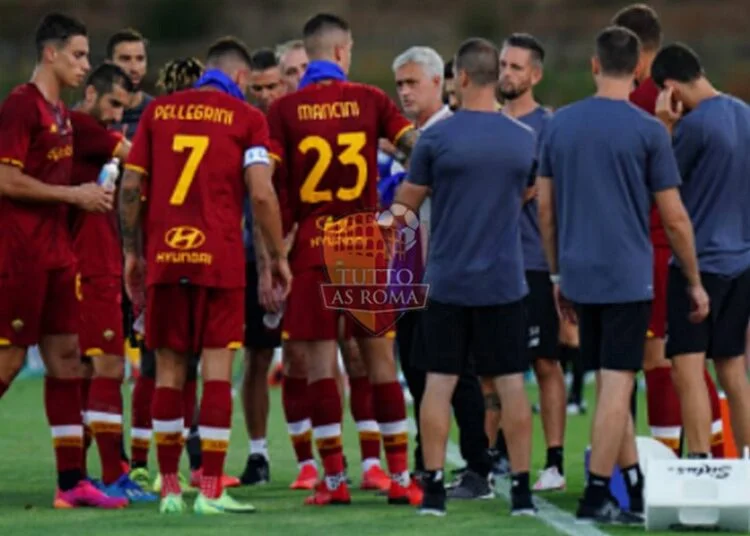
[470,485]
[500,464]
[433,500]
[607,514]
[521,504]
[256,471]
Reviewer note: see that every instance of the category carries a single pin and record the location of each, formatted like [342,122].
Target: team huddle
[217,237]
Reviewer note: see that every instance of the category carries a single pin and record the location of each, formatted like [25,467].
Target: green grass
[27,486]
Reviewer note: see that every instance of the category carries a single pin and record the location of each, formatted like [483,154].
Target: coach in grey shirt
[474,264]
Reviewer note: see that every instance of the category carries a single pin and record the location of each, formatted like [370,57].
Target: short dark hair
[229,46]
[126,35]
[618,50]
[448,70]
[322,22]
[526,42]
[676,62]
[57,28]
[106,76]
[480,59]
[263,59]
[643,21]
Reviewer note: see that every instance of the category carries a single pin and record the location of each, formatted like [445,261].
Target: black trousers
[468,402]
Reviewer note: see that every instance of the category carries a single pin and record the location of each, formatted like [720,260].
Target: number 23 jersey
[325,140]
[192,147]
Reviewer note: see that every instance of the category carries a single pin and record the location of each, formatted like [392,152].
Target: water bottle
[273,320]
[109,173]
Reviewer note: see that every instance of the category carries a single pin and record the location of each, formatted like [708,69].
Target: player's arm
[265,204]
[130,211]
[261,251]
[15,184]
[416,187]
[394,126]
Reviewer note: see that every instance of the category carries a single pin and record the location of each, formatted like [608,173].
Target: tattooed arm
[130,212]
[407,141]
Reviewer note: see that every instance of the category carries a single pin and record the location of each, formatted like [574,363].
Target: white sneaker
[550,479]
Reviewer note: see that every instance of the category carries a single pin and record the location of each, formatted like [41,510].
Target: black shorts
[612,335]
[542,324]
[257,335]
[722,334]
[489,340]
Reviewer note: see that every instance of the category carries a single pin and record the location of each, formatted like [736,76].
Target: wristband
[555,279]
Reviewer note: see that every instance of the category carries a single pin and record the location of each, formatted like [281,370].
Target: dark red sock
[390,412]
[297,412]
[215,422]
[717,428]
[87,433]
[189,396]
[140,434]
[105,419]
[62,402]
[168,427]
[326,420]
[363,413]
[664,417]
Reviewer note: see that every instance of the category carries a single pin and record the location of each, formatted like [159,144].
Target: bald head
[325,35]
[480,60]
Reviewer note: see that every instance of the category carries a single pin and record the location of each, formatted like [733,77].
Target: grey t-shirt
[478,166]
[606,157]
[712,146]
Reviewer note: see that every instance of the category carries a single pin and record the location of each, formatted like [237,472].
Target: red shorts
[188,319]
[308,318]
[36,303]
[657,326]
[101,316]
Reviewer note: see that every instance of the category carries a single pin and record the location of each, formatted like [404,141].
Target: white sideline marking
[558,519]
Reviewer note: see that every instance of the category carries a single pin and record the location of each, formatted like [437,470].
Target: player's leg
[59,348]
[140,417]
[363,413]
[570,354]
[87,375]
[408,342]
[630,468]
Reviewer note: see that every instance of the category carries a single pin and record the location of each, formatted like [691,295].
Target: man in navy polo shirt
[710,144]
[601,161]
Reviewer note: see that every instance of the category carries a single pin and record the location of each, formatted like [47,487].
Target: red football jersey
[325,139]
[644,96]
[96,237]
[37,137]
[194,145]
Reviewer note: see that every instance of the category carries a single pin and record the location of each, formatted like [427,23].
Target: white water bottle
[273,320]
[109,173]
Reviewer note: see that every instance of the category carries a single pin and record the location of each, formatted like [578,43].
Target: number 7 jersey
[192,147]
[325,140]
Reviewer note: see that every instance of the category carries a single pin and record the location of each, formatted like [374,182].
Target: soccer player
[293,62]
[127,49]
[521,68]
[187,155]
[710,146]
[474,266]
[664,417]
[449,89]
[326,135]
[266,83]
[96,244]
[37,263]
[595,187]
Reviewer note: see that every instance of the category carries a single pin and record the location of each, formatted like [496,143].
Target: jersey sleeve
[420,167]
[663,172]
[139,158]
[18,118]
[258,141]
[393,124]
[92,140]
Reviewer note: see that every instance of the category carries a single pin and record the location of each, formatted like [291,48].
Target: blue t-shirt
[478,166]
[712,146]
[531,237]
[605,158]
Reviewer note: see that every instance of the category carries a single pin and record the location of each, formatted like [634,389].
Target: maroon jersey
[193,146]
[35,136]
[96,237]
[644,96]
[325,138]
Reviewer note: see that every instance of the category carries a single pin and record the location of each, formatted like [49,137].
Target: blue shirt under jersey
[478,166]
[712,146]
[531,237]
[606,157]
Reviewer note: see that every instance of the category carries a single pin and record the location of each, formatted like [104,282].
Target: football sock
[597,490]
[390,412]
[168,427]
[140,440]
[215,422]
[555,459]
[104,415]
[717,428]
[569,354]
[326,420]
[633,478]
[62,402]
[297,413]
[500,445]
[519,483]
[363,413]
[259,446]
[664,417]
